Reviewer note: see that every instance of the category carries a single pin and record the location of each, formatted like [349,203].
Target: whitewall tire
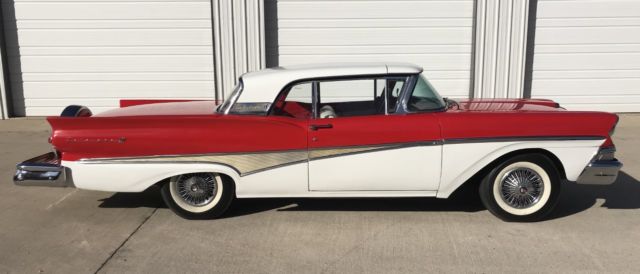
[198,195]
[521,188]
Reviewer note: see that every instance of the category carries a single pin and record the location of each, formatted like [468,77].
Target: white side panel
[63,51]
[436,35]
[412,168]
[133,177]
[287,181]
[461,161]
[587,54]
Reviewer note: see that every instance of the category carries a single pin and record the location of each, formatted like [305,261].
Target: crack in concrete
[125,241]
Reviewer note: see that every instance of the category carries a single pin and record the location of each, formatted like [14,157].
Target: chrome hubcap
[521,187]
[197,189]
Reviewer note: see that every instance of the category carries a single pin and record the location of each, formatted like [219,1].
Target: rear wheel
[523,188]
[198,195]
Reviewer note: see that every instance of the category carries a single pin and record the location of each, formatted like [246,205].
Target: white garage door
[587,54]
[95,52]
[434,34]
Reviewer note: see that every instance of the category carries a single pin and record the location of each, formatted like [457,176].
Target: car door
[356,143]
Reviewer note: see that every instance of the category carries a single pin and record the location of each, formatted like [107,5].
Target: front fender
[463,160]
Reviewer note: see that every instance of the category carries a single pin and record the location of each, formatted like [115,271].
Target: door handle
[316,127]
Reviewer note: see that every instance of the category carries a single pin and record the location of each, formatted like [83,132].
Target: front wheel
[523,188]
[198,195]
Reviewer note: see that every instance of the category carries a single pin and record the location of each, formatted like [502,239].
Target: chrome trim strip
[516,139]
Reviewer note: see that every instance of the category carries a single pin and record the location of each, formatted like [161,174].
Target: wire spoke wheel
[521,187]
[197,189]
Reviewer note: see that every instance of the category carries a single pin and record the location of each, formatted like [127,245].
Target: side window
[340,98]
[344,98]
[295,102]
[358,97]
[394,86]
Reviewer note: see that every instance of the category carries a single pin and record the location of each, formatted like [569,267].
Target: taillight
[608,143]
[613,128]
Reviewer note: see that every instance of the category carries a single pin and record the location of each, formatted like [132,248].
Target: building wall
[583,54]
[587,54]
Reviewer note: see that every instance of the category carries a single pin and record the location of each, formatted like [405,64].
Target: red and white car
[335,130]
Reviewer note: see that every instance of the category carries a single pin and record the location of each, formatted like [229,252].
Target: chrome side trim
[516,139]
[602,170]
[43,170]
[254,162]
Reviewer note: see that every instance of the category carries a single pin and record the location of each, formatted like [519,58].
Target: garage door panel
[120,50]
[586,74]
[372,9]
[586,87]
[376,22]
[112,10]
[117,90]
[587,54]
[120,37]
[588,48]
[68,52]
[581,9]
[376,36]
[428,61]
[587,35]
[147,63]
[587,22]
[374,49]
[114,24]
[436,35]
[116,76]
[577,61]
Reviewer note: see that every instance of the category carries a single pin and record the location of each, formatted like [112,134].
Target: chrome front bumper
[602,170]
[44,170]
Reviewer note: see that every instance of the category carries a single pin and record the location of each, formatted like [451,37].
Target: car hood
[509,105]
[173,108]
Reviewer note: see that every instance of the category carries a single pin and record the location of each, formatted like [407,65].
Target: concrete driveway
[52,230]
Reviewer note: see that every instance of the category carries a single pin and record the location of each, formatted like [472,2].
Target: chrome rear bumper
[602,170]
[44,170]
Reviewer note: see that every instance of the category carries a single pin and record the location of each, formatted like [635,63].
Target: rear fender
[134,177]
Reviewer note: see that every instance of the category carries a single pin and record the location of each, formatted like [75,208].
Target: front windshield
[224,108]
[424,97]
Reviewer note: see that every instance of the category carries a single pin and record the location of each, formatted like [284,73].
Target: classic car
[330,130]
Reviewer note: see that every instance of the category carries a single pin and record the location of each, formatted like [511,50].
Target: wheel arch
[228,177]
[477,176]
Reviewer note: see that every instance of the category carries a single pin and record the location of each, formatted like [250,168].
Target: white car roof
[264,85]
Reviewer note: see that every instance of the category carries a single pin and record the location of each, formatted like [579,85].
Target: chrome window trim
[403,102]
[234,98]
